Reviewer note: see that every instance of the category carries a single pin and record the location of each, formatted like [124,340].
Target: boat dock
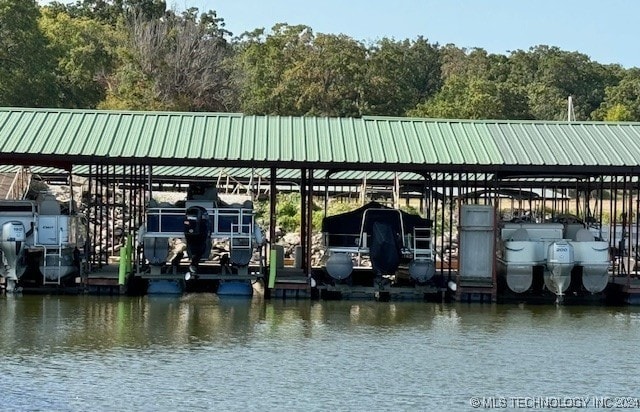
[441,209]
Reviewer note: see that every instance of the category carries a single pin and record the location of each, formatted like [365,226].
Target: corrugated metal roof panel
[349,140]
[578,145]
[440,133]
[617,146]
[302,141]
[305,144]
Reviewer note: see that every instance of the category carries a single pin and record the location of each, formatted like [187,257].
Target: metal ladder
[56,255]
[241,241]
[422,243]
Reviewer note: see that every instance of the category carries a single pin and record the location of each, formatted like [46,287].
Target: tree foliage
[401,75]
[111,11]
[136,54]
[463,97]
[26,66]
[264,67]
[83,48]
[174,63]
[622,101]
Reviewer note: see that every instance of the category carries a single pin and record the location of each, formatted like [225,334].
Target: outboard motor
[385,249]
[11,243]
[560,262]
[197,232]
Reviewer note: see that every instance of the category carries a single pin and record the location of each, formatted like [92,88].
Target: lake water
[201,352]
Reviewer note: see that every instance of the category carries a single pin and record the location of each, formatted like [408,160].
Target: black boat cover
[343,230]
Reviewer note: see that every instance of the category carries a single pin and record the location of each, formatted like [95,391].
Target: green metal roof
[57,136]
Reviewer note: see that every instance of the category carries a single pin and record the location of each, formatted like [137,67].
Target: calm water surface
[200,352]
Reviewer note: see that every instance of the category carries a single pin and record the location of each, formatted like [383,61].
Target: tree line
[138,55]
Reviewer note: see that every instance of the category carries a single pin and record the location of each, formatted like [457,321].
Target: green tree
[400,75]
[262,63]
[83,48]
[328,80]
[26,64]
[291,71]
[471,63]
[622,101]
[463,97]
[113,11]
[477,86]
[618,113]
[550,75]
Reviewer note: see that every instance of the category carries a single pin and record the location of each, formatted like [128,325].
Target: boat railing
[419,243]
[18,208]
[348,240]
[169,222]
[241,236]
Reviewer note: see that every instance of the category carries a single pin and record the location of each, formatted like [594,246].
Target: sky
[605,30]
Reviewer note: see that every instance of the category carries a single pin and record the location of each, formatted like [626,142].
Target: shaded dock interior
[606,202]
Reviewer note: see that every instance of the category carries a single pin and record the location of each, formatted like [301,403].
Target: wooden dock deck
[293,283]
[340,291]
[624,289]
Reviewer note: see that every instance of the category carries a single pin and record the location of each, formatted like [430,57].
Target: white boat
[557,250]
[202,218]
[39,230]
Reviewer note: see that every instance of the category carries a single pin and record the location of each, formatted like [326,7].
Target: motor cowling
[560,253]
[560,262]
[197,233]
[12,239]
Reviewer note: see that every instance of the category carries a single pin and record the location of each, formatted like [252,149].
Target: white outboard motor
[560,262]
[12,244]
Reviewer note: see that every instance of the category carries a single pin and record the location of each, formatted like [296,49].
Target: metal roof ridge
[118,112]
[494,121]
[358,119]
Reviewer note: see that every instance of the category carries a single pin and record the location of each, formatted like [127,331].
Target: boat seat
[520,234]
[48,205]
[584,235]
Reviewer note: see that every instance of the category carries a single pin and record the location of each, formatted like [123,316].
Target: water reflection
[68,323]
[200,352]
[64,323]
